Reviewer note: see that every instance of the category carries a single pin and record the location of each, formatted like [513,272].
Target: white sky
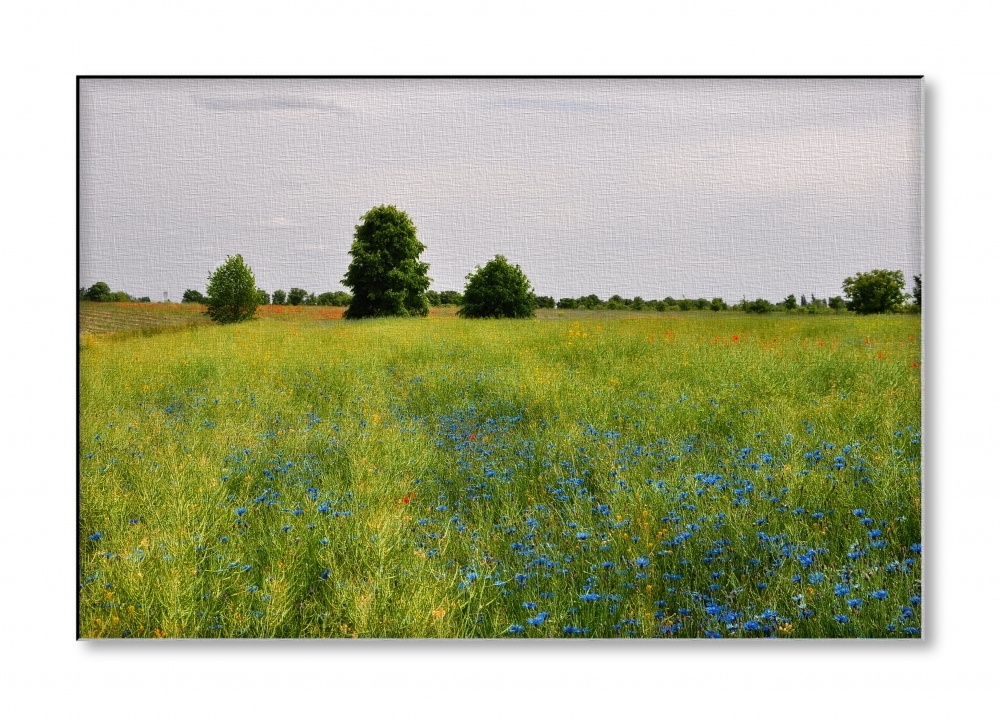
[643,187]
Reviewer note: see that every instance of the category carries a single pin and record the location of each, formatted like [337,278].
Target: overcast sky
[644,187]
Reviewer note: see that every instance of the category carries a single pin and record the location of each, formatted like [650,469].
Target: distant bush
[334,298]
[450,298]
[758,306]
[297,296]
[836,303]
[263,298]
[498,290]
[278,297]
[98,292]
[193,296]
[144,300]
[718,304]
[544,302]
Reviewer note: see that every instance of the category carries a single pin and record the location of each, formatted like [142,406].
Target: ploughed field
[690,475]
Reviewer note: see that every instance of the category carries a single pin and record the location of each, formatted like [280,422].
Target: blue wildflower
[582,535]
[515,629]
[240,511]
[916,547]
[590,597]
[751,625]
[815,578]
[880,594]
[840,589]
[841,618]
[538,619]
[325,574]
[642,562]
[855,603]
[96,536]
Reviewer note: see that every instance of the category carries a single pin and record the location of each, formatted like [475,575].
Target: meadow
[688,475]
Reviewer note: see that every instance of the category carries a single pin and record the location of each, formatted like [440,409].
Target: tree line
[387,278]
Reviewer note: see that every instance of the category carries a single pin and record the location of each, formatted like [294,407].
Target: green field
[679,475]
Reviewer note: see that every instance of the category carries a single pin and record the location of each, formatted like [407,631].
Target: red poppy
[735,337]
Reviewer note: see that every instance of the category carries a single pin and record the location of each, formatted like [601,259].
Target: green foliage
[718,304]
[278,297]
[790,303]
[98,292]
[758,306]
[450,298]
[232,292]
[918,289]
[545,302]
[566,303]
[836,303]
[333,298]
[297,296]
[499,290]
[433,298]
[878,291]
[386,276]
[263,298]
[193,296]
[144,300]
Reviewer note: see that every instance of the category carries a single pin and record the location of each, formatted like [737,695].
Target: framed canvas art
[500,357]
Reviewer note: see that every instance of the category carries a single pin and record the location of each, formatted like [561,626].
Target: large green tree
[499,290]
[386,275]
[875,292]
[232,292]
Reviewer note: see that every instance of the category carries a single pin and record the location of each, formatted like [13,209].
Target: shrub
[718,304]
[98,292]
[278,298]
[836,303]
[875,292]
[499,290]
[566,304]
[544,302]
[232,292]
[193,296]
[297,296]
[333,298]
[790,303]
[758,306]
[386,276]
[451,298]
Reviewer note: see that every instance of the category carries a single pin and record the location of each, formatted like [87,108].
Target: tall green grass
[680,476]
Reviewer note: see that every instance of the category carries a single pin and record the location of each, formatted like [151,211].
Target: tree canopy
[499,290]
[875,292]
[386,275]
[232,292]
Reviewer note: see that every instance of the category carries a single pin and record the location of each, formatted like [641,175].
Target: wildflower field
[681,476]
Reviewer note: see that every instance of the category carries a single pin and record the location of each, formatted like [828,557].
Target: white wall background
[44,671]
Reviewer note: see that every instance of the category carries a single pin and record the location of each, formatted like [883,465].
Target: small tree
[297,296]
[789,302]
[718,304]
[278,297]
[386,275]
[918,289]
[263,298]
[98,292]
[875,292]
[758,306]
[193,296]
[232,292]
[836,303]
[545,302]
[499,290]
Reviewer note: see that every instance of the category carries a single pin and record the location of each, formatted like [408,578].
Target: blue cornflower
[607,565]
[796,578]
[642,562]
[96,536]
[912,630]
[815,578]
[713,634]
[769,614]
[751,625]
[855,603]
[858,512]
[570,630]
[286,528]
[538,619]
[325,574]
[880,594]
[590,597]
[324,541]
[252,588]
[841,618]
[906,612]
[874,533]
[529,605]
[246,568]
[515,629]
[133,521]
[916,547]
[582,535]
[840,589]
[915,600]
[240,511]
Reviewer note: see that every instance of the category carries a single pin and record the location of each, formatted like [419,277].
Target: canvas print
[500,358]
